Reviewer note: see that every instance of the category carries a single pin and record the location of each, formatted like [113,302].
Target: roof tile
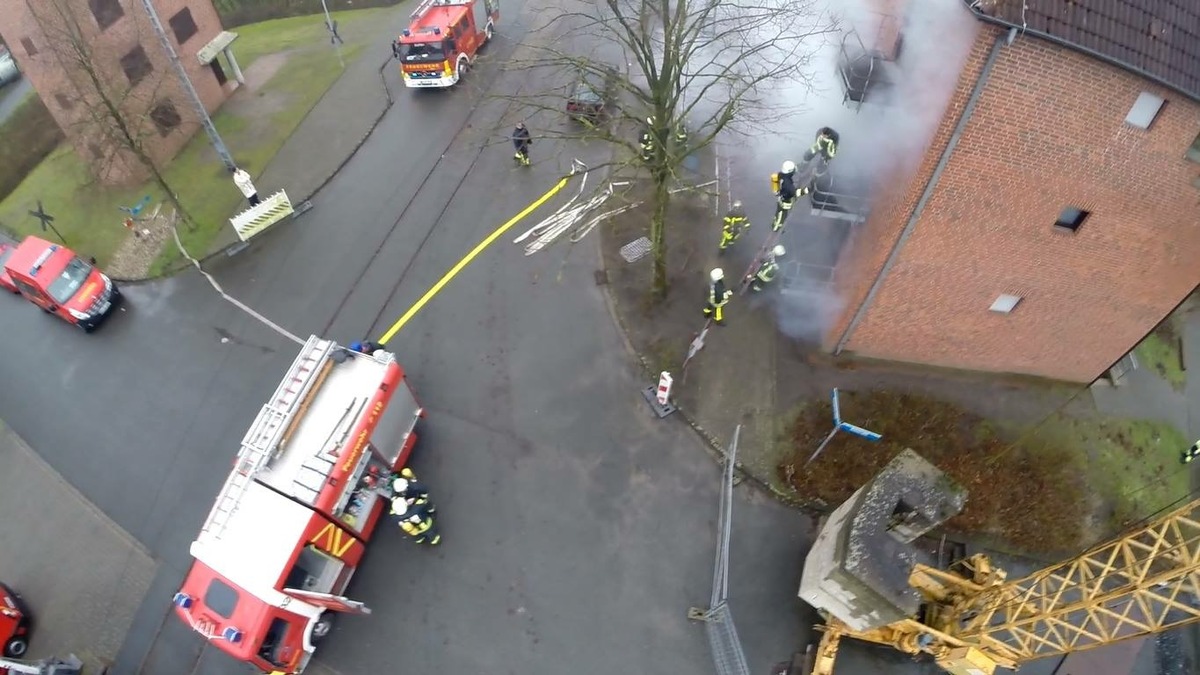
[1159,37]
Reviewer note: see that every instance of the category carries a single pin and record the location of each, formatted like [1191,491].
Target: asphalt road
[578,528]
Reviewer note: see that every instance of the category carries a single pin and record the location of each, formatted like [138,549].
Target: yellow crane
[970,618]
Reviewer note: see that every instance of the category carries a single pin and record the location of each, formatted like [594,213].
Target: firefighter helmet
[736,206]
[779,250]
[399,505]
[717,274]
[788,167]
[400,485]
[407,473]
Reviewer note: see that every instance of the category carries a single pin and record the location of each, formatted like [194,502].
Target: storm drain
[635,250]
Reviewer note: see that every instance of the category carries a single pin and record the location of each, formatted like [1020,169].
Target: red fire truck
[443,39]
[292,521]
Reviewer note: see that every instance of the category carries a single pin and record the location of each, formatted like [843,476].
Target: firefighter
[1191,453]
[767,269]
[681,137]
[735,224]
[786,192]
[825,145]
[421,529]
[366,347]
[413,491]
[646,140]
[718,295]
[521,141]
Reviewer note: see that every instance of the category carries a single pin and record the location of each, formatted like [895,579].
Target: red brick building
[52,39]
[1054,219]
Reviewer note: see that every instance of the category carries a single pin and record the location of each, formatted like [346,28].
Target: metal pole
[197,104]
[822,446]
[333,36]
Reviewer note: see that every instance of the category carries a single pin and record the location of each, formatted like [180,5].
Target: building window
[28,45]
[106,12]
[1144,110]
[63,100]
[136,65]
[1071,218]
[165,117]
[1193,152]
[183,25]
[1005,303]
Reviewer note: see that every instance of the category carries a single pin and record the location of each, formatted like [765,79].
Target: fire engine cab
[292,521]
[443,40]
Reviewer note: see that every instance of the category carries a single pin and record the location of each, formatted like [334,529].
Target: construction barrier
[258,218]
[664,388]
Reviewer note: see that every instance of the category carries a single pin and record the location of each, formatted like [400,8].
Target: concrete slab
[81,574]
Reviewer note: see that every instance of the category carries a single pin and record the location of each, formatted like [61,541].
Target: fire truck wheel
[16,648]
[464,65]
[323,627]
[487,31]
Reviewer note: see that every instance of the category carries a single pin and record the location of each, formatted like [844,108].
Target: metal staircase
[266,436]
[863,70]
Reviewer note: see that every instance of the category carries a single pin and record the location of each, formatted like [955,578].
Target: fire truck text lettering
[331,538]
[364,437]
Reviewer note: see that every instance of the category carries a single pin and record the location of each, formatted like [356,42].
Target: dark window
[136,65]
[63,100]
[1071,218]
[221,598]
[106,12]
[1193,152]
[165,117]
[183,25]
[273,649]
[28,45]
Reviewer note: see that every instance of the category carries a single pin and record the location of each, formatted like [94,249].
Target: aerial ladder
[972,620]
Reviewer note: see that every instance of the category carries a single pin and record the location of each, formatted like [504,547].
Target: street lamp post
[197,104]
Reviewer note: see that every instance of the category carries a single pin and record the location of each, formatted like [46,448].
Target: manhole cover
[635,250]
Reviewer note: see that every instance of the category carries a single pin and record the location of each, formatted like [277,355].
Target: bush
[241,12]
[26,138]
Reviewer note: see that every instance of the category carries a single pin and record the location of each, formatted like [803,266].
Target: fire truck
[442,40]
[291,523]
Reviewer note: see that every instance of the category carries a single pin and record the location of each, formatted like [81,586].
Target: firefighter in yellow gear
[718,295]
[734,225]
[786,192]
[1191,453]
[825,145]
[646,140]
[767,270]
[421,529]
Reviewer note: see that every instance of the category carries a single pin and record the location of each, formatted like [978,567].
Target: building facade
[1054,219]
[103,73]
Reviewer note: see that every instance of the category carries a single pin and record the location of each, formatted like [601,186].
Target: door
[336,603]
[219,72]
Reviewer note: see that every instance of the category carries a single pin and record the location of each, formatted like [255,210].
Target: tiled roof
[1159,37]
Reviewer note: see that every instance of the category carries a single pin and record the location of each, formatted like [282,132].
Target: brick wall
[45,52]
[1047,133]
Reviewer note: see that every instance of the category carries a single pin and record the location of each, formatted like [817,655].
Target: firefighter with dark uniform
[735,224]
[718,295]
[521,141]
[786,192]
[421,528]
[767,270]
[646,140]
[825,145]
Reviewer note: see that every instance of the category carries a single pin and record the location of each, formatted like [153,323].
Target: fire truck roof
[438,16]
[257,542]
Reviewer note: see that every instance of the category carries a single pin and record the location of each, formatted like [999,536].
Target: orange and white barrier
[664,388]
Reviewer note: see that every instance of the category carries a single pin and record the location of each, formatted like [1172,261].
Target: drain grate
[635,250]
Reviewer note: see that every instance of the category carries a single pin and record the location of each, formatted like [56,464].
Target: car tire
[16,648]
[323,627]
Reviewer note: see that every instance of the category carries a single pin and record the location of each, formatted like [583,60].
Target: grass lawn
[1066,485]
[1160,352]
[87,214]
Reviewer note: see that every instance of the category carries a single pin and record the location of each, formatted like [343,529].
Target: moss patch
[1160,352]
[1048,492]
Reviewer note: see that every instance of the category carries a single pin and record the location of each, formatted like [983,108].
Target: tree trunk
[658,232]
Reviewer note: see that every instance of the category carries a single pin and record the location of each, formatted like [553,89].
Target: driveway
[578,528]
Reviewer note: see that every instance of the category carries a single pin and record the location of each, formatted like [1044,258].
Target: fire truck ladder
[268,433]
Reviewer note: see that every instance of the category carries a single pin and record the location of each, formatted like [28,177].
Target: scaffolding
[863,69]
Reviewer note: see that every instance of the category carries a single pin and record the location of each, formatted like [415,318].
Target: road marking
[458,267]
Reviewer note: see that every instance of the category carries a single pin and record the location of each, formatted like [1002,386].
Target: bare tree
[691,70]
[119,111]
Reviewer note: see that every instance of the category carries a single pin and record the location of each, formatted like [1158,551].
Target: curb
[181,266]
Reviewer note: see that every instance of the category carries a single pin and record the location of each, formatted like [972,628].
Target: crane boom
[872,583]
[1143,582]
